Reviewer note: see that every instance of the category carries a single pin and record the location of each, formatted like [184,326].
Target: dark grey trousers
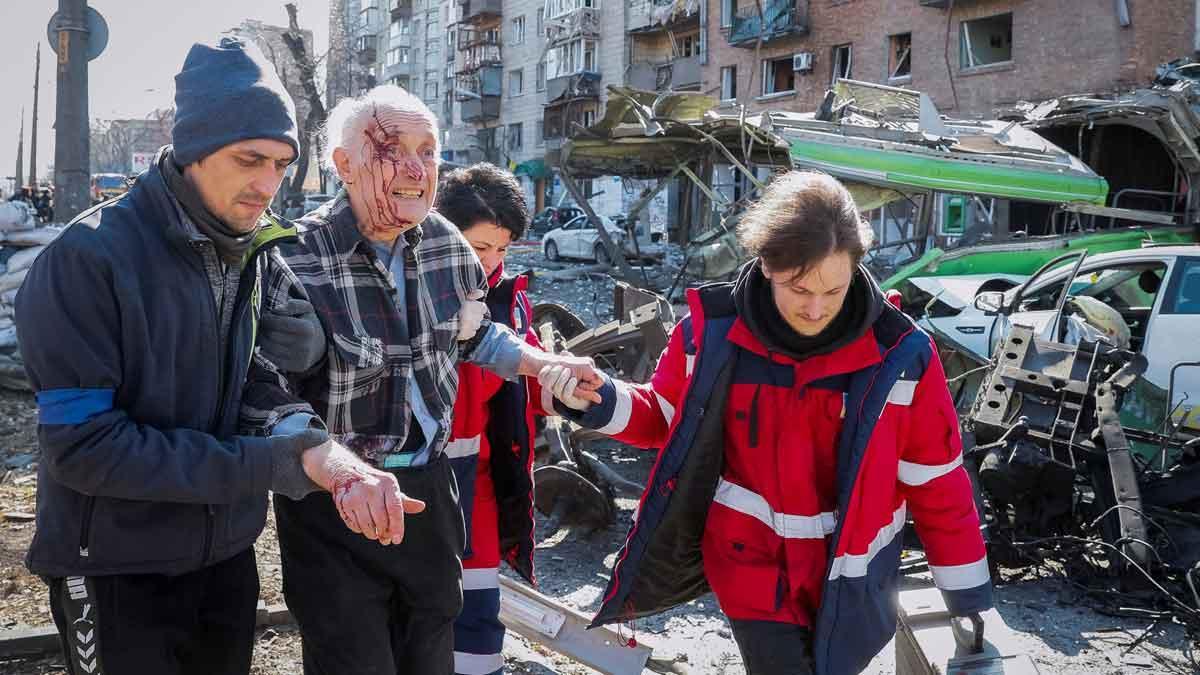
[774,648]
[364,608]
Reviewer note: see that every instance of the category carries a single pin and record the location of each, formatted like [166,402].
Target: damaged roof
[881,136]
[647,135]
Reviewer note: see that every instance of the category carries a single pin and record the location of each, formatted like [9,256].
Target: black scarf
[752,295]
[231,245]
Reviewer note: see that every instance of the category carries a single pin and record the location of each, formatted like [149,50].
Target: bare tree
[305,63]
[113,142]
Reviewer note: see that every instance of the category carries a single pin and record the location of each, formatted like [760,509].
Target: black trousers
[200,623]
[774,648]
[364,608]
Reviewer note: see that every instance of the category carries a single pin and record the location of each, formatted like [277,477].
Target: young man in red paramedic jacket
[802,419]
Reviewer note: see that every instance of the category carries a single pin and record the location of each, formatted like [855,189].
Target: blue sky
[148,42]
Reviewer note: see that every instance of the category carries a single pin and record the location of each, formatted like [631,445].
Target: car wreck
[1059,476]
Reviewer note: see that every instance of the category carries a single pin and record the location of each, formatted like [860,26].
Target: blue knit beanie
[225,94]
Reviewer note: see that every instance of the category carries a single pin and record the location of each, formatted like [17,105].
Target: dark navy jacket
[141,470]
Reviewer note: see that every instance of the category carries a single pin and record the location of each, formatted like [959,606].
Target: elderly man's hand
[368,500]
[471,315]
[581,369]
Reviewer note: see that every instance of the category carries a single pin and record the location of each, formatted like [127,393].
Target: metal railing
[778,18]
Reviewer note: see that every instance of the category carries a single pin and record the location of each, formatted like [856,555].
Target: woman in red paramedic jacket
[801,418]
[491,447]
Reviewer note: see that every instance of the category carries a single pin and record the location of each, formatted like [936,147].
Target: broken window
[687,46]
[841,63]
[728,83]
[778,76]
[571,58]
[900,55]
[558,8]
[728,9]
[983,42]
[589,55]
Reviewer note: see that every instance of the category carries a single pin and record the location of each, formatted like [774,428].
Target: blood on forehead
[389,126]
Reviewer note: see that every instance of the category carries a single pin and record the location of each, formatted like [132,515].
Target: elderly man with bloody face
[398,290]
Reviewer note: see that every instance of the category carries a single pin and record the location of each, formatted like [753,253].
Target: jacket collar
[857,355]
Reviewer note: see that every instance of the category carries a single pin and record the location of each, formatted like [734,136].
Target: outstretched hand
[368,500]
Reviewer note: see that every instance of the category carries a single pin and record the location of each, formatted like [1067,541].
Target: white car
[578,238]
[1156,290]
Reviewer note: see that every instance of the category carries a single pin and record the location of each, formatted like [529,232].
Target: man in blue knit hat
[138,327]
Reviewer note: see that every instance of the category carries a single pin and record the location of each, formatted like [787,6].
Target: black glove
[292,337]
[287,473]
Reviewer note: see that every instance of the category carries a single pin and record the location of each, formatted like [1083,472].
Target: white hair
[350,117]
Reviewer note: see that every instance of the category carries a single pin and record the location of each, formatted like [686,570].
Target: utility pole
[37,76]
[71,145]
[19,178]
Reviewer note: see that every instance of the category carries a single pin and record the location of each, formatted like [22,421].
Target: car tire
[601,254]
[551,251]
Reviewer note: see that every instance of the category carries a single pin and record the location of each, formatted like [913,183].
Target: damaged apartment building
[512,79]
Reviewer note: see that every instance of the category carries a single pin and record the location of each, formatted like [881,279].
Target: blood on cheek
[384,163]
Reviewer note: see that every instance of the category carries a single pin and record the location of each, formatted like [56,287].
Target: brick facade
[1058,47]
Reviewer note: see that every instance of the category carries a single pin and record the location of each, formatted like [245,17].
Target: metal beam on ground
[546,621]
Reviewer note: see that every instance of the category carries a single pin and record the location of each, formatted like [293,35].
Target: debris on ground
[1061,490]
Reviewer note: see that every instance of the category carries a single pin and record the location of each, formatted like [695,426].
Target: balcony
[366,49]
[572,87]
[478,94]
[582,22]
[479,110]
[484,82]
[479,49]
[568,120]
[650,16]
[475,11]
[469,38]
[401,9]
[673,75]
[401,70]
[780,18]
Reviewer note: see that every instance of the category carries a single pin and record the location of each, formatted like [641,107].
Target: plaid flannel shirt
[361,388]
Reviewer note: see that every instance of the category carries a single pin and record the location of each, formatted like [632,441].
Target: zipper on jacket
[85,530]
[753,426]
[209,518]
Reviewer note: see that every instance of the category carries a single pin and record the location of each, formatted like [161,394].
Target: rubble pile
[1064,486]
[21,240]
